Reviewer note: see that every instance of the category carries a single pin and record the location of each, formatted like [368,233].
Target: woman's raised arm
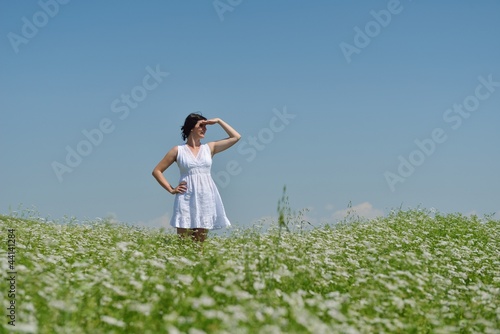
[223,144]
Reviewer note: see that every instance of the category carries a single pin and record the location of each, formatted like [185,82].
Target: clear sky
[381,104]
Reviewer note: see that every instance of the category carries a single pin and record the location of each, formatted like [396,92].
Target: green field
[409,272]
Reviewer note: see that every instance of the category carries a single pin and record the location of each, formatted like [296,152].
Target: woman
[197,206]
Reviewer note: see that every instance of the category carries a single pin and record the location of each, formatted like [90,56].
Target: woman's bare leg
[184,232]
[197,234]
[200,234]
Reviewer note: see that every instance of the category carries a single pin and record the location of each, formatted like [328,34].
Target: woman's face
[200,129]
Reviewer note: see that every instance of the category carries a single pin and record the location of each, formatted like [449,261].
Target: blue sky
[380,104]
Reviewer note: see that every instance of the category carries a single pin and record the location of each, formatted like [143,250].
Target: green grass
[410,272]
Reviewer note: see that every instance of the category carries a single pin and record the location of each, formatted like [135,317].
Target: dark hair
[190,123]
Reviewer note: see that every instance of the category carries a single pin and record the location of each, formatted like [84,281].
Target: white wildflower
[173,330]
[203,301]
[112,321]
[141,308]
[185,261]
[25,328]
[123,245]
[135,284]
[185,279]
[62,306]
[157,264]
[398,302]
[160,288]
[136,253]
[259,285]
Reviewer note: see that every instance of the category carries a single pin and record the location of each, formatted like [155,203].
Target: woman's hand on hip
[180,189]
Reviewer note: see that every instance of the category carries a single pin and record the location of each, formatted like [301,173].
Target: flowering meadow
[412,271]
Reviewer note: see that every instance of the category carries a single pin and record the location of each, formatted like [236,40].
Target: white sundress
[201,205]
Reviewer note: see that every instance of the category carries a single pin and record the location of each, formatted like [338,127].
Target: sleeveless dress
[201,205]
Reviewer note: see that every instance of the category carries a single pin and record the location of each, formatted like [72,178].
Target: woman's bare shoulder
[173,151]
